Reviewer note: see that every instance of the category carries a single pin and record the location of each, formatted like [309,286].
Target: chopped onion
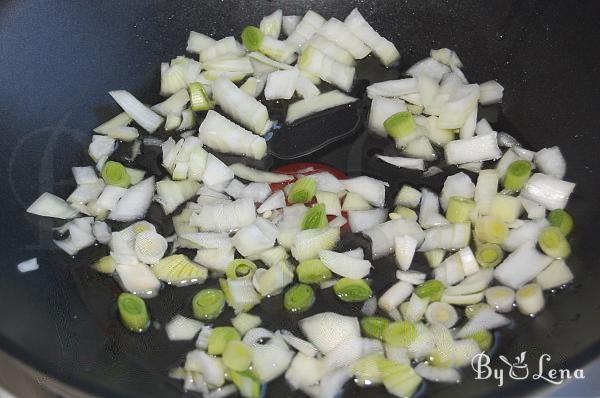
[472,284]
[101,232]
[429,215]
[28,265]
[548,191]
[227,46]
[327,330]
[182,328]
[305,29]
[289,23]
[198,42]
[407,163]
[49,205]
[336,31]
[225,217]
[529,231]
[121,120]
[216,172]
[331,384]
[383,48]
[412,277]
[405,247]
[321,102]
[381,109]
[175,104]
[474,149]
[361,220]
[521,266]
[300,345]
[451,236]
[382,236]
[555,275]
[304,371]
[446,56]
[428,67]
[437,374]
[371,189]
[135,202]
[330,48]
[281,84]
[171,194]
[137,278]
[485,190]
[551,161]
[247,173]
[139,112]
[327,68]
[220,134]
[344,265]
[393,88]
[306,88]
[271,24]
[457,185]
[254,238]
[490,92]
[485,319]
[441,313]
[394,296]
[243,108]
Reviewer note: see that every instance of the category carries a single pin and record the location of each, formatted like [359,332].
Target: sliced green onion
[219,337]
[373,326]
[198,98]
[432,289]
[240,268]
[490,229]
[517,174]
[313,271]
[246,382]
[553,243]
[252,38]
[400,333]
[561,219]
[114,173]
[398,378]
[299,298]
[315,217]
[237,356]
[399,124]
[483,338]
[352,290]
[302,190]
[133,312]
[208,304]
[488,255]
[459,209]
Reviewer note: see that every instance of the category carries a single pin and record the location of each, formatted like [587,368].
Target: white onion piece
[408,197]
[458,184]
[416,308]
[327,330]
[393,88]
[336,31]
[472,284]
[523,153]
[402,162]
[529,231]
[331,384]
[555,275]
[227,46]
[320,64]
[49,205]
[122,119]
[345,265]
[135,202]
[521,266]
[101,232]
[245,109]
[369,307]
[461,102]
[84,175]
[395,296]
[281,84]
[382,236]
[483,127]
[137,278]
[358,253]
[182,328]
[451,236]
[219,133]
[467,260]
[548,191]
[474,149]
[289,23]
[80,236]
[305,88]
[474,167]
[331,201]
[86,193]
[248,173]
[212,368]
[242,293]
[225,217]
[534,210]
[139,112]
[28,265]
[255,238]
[446,56]
[404,248]
[351,350]
[254,336]
[271,24]
[337,222]
[530,299]
[463,299]
[551,161]
[490,92]
[321,102]
[310,243]
[290,224]
[428,67]
[485,190]
[371,189]
[381,109]
[197,42]
[412,277]
[275,201]
[384,49]
[304,371]
[263,65]
[305,29]
[330,48]
[175,104]
[150,247]
[486,319]
[205,240]
[300,345]
[222,392]
[171,194]
[429,215]
[437,374]
[423,345]
[500,298]
[361,220]
[450,271]
[216,172]
[271,360]
[441,313]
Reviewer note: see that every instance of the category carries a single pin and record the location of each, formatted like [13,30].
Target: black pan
[59,60]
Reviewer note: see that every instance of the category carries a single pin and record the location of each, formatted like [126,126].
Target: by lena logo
[519,370]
